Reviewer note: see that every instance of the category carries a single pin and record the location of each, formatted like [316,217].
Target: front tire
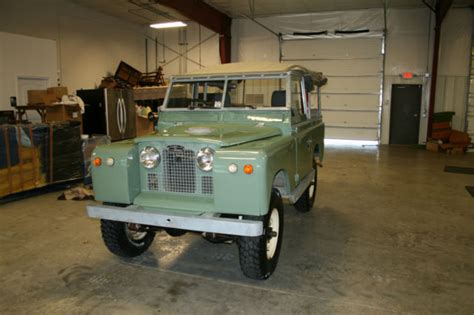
[259,255]
[306,201]
[123,241]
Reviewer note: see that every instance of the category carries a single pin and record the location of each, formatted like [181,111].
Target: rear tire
[259,255]
[123,241]
[306,201]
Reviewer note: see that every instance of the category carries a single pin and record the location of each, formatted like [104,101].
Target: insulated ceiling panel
[259,8]
[146,11]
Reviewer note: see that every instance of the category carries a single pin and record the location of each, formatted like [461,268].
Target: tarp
[338,24]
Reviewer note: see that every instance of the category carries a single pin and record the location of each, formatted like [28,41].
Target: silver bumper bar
[199,223]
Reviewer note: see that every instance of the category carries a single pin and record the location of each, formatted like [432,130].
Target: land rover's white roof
[244,67]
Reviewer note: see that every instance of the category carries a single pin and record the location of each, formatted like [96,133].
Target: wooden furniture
[64,112]
[49,113]
[39,108]
[149,93]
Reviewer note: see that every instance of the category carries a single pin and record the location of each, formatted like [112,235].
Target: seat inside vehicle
[279,98]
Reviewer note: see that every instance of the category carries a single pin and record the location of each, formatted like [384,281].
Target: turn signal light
[248,169]
[97,162]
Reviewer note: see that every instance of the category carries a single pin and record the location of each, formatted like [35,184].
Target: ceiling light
[168,24]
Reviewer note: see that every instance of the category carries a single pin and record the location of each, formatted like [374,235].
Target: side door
[302,128]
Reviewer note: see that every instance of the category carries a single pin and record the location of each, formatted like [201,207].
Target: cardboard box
[144,126]
[36,96]
[432,146]
[57,92]
[49,99]
[64,113]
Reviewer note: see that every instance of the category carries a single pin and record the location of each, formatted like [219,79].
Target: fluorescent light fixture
[169,24]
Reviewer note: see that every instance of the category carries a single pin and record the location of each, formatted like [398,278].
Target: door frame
[421,114]
[29,77]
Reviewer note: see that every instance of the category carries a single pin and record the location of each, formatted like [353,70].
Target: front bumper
[201,223]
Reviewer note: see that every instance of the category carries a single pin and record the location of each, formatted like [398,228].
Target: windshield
[245,93]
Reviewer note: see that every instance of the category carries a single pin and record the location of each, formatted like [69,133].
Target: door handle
[308,143]
[118,116]
[416,115]
[124,115]
[122,128]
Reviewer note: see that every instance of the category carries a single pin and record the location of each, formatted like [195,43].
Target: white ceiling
[146,11]
[141,12]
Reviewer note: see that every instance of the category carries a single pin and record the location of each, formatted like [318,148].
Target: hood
[221,134]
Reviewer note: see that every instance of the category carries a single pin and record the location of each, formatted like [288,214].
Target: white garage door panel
[344,67]
[359,119]
[355,102]
[352,85]
[354,67]
[332,48]
[351,133]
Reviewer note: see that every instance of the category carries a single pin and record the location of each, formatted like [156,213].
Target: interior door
[405,113]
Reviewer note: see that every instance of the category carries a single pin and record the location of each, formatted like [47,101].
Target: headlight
[150,157]
[205,158]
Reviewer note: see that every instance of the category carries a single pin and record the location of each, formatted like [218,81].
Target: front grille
[152,181]
[207,185]
[178,173]
[179,170]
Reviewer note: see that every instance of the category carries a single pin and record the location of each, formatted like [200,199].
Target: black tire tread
[250,258]
[115,239]
[304,203]
[252,250]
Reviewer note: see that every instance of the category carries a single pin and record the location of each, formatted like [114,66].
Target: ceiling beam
[207,16]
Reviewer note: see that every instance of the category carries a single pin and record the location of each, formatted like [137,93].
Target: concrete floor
[390,233]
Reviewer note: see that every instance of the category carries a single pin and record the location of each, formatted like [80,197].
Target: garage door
[351,99]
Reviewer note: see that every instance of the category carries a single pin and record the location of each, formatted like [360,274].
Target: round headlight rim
[209,152]
[154,162]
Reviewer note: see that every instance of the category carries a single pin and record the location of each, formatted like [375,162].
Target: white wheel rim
[134,236]
[311,190]
[274,226]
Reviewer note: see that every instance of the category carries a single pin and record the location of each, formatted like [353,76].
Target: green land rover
[232,142]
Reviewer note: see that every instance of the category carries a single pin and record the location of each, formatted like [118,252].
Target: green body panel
[273,140]
[238,193]
[119,183]
[220,134]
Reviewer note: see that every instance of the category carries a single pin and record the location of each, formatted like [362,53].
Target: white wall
[185,41]
[408,48]
[24,56]
[454,67]
[89,44]
[409,44]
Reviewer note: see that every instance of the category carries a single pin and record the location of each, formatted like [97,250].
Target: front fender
[245,194]
[119,183]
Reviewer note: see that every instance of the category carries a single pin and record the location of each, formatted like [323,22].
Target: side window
[296,100]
